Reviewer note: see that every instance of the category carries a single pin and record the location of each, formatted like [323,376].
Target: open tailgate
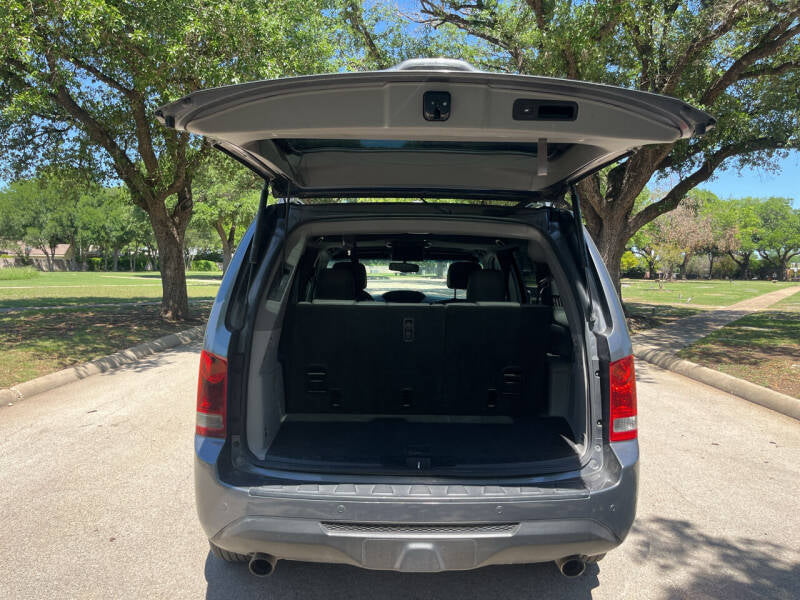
[429,127]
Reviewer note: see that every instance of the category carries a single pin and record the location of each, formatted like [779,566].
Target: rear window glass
[430,279]
[305,145]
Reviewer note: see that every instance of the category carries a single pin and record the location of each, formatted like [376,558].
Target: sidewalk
[684,332]
[660,345]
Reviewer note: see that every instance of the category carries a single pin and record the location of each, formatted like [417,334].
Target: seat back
[387,358]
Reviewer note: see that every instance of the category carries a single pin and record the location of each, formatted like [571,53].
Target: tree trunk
[710,265]
[685,264]
[611,241]
[227,243]
[132,264]
[169,229]
[47,259]
[116,259]
[743,264]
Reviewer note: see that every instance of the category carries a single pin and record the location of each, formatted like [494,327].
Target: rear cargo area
[374,387]
[402,443]
[479,384]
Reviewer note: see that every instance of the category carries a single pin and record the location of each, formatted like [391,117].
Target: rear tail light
[623,400]
[212,387]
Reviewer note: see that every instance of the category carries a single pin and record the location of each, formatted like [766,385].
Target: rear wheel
[231,557]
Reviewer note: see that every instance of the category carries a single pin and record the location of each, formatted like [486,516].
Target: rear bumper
[419,527]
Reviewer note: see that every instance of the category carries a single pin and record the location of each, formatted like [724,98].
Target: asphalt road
[96,501]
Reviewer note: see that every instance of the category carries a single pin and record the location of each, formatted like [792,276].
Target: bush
[95,263]
[15,273]
[211,255]
[204,265]
[631,266]
[124,263]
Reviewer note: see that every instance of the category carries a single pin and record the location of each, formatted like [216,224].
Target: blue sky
[759,182]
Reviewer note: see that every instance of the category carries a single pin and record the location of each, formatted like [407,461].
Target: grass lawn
[38,342]
[763,347]
[710,294]
[80,289]
[791,304]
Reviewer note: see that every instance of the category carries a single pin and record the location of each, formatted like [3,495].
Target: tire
[231,557]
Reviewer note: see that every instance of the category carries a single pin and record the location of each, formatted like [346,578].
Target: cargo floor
[395,442]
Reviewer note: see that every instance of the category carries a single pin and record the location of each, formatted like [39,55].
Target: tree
[227,197]
[735,228]
[39,212]
[105,218]
[779,239]
[684,232]
[79,81]
[643,245]
[738,59]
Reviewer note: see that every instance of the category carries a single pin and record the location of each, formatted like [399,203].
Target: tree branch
[123,165]
[704,172]
[354,16]
[537,8]
[440,15]
[699,44]
[144,136]
[777,37]
[110,81]
[769,70]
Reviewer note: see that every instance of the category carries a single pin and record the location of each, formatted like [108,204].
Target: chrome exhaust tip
[262,565]
[572,566]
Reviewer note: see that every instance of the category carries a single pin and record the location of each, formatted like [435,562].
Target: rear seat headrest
[458,274]
[486,286]
[335,284]
[358,270]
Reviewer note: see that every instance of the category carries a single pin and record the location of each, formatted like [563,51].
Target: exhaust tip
[572,566]
[262,565]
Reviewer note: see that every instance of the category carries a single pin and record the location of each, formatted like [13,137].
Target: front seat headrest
[486,286]
[335,284]
[458,274]
[358,270]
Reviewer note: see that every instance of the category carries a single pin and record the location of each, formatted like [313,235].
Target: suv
[417,360]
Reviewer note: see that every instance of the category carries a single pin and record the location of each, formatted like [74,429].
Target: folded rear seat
[495,351]
[474,358]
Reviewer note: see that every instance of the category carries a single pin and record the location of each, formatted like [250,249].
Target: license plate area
[419,555]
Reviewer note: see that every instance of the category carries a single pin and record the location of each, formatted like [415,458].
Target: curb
[99,365]
[751,392]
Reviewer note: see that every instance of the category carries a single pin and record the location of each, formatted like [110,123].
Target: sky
[759,183]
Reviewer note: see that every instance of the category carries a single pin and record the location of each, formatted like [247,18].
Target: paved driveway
[96,502]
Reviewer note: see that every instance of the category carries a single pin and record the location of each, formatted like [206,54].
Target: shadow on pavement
[310,581]
[713,566]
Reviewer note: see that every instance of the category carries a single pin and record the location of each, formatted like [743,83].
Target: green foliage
[631,266]
[226,196]
[140,263]
[81,80]
[18,273]
[204,265]
[737,60]
[779,237]
[95,263]
[40,212]
[120,60]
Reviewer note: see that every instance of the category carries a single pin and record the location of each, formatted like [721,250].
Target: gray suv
[417,360]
